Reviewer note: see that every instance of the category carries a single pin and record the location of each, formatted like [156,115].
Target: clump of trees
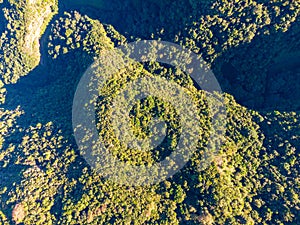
[74,31]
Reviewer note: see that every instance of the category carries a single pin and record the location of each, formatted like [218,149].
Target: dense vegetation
[252,47]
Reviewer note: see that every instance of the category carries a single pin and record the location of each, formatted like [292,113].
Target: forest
[251,46]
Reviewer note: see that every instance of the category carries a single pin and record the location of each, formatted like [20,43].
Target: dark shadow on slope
[265,74]
[141,18]
[46,93]
[283,86]
[2,18]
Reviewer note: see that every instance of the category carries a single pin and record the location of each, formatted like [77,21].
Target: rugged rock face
[18,213]
[41,14]
[25,22]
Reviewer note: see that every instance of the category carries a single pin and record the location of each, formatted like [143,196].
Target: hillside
[251,175]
